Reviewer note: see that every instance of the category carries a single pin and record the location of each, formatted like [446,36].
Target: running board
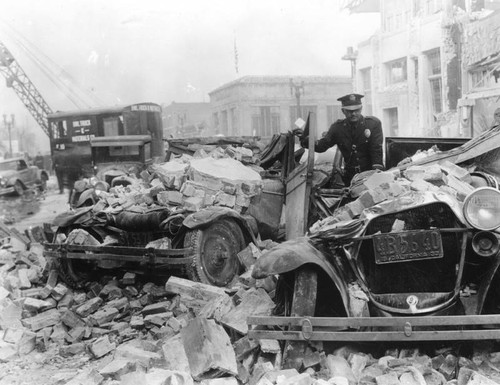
[431,328]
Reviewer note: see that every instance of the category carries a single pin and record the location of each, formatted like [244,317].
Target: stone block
[217,308]
[89,307]
[225,200]
[355,208]
[48,318]
[457,171]
[71,320]
[58,291]
[117,368]
[111,291]
[66,301]
[129,278]
[140,356]
[137,321]
[35,305]
[24,282]
[256,302]
[193,204]
[338,366]
[175,355]
[159,307]
[121,304]
[390,378]
[103,316]
[369,198]
[102,346]
[269,346]
[208,349]
[170,197]
[185,287]
[244,346]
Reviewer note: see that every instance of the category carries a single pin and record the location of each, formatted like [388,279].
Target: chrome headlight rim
[472,200]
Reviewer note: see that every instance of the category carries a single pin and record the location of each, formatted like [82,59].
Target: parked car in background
[16,176]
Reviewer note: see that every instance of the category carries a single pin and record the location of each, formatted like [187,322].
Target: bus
[71,134]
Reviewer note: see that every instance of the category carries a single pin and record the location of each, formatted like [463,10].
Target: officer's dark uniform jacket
[360,144]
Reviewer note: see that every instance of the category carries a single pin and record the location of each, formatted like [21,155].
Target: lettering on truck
[82,138]
[145,107]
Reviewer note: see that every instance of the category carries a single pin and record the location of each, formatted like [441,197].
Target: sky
[89,53]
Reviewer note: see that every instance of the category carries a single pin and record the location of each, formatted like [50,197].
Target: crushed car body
[413,255]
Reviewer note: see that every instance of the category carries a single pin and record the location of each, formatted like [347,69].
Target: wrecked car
[115,160]
[416,241]
[16,176]
[167,222]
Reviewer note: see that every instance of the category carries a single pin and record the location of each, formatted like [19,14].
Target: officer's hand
[298,132]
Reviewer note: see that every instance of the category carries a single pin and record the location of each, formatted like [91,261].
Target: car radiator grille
[429,275]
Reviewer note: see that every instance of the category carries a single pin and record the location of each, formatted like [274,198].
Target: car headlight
[482,208]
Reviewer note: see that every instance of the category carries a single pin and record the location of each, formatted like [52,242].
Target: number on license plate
[407,245]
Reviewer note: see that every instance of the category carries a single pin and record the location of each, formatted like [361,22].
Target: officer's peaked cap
[351,101]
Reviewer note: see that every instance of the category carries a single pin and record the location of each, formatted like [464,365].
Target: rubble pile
[125,331]
[189,183]
[372,188]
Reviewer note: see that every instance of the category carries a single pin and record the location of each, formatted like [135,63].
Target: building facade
[186,120]
[266,105]
[416,70]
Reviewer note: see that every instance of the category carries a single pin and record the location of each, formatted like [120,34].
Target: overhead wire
[69,91]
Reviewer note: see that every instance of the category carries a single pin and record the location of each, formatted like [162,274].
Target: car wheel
[215,250]
[18,188]
[305,291]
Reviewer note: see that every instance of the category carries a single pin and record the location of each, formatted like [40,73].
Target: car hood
[331,228]
[6,174]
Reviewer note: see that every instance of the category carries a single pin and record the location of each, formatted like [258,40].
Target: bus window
[59,129]
[111,126]
[124,150]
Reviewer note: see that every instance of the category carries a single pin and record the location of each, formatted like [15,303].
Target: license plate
[407,245]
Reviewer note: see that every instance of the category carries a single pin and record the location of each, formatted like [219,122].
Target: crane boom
[17,79]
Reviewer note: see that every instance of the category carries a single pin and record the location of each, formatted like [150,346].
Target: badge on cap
[352,97]
[368,133]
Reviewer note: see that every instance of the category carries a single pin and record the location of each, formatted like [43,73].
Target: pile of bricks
[189,183]
[125,331]
[383,187]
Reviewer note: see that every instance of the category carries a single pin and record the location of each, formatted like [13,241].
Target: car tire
[18,188]
[305,292]
[215,250]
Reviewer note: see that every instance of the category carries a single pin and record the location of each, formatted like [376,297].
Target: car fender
[290,255]
[211,214]
[86,195]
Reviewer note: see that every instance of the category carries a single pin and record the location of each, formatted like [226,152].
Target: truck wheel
[18,188]
[305,291]
[215,249]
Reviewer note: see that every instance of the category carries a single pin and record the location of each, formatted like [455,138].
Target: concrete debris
[181,331]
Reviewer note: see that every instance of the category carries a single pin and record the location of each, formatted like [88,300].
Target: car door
[24,172]
[298,193]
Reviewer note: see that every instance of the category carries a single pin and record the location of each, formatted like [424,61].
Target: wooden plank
[358,322]
[375,336]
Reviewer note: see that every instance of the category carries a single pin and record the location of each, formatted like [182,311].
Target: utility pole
[352,56]
[297,90]
[12,123]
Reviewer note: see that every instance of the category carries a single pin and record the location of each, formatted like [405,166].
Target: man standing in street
[359,139]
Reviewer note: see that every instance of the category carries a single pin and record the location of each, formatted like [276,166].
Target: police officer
[359,139]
